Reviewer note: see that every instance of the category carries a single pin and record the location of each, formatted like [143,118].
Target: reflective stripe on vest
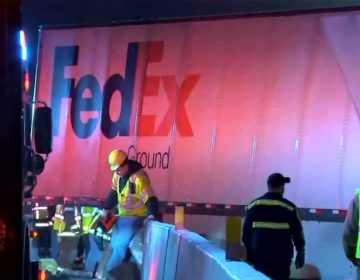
[131,205]
[270,225]
[146,194]
[61,217]
[358,238]
[270,202]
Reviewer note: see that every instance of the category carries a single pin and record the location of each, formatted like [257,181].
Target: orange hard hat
[117,158]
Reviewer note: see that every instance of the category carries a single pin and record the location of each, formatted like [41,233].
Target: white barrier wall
[178,255]
[155,248]
[172,254]
[325,258]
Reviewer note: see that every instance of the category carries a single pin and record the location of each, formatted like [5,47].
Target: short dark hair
[277,180]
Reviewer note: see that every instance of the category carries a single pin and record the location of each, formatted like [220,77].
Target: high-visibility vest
[134,195]
[358,238]
[40,216]
[88,215]
[58,219]
[40,212]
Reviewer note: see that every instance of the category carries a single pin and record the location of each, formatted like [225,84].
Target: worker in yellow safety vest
[351,236]
[85,221]
[135,199]
[58,219]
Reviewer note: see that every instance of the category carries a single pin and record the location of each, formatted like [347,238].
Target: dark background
[11,239]
[36,13]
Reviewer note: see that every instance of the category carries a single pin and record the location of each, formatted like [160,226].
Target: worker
[136,201]
[84,221]
[272,227]
[351,238]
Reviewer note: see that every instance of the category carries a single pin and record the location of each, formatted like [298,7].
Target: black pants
[279,270]
[83,245]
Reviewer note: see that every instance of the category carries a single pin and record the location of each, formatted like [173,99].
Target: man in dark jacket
[271,228]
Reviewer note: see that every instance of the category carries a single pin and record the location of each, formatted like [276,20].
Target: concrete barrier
[178,255]
[172,254]
[155,247]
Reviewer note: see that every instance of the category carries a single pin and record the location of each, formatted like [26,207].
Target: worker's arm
[350,230]
[152,205]
[246,236]
[147,194]
[112,199]
[298,238]
[297,231]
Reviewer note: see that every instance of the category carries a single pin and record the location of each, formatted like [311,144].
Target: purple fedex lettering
[100,98]
[66,88]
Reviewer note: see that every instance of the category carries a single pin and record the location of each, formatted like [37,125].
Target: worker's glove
[148,219]
[105,213]
[300,259]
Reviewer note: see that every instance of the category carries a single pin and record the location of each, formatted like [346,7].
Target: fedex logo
[123,84]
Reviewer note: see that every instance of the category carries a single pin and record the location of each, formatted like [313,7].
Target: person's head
[118,161]
[276,183]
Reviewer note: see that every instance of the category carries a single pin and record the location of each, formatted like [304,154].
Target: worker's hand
[300,259]
[149,218]
[105,213]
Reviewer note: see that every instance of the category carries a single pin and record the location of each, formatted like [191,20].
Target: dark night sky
[72,12]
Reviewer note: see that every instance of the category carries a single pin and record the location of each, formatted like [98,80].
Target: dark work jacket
[272,227]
